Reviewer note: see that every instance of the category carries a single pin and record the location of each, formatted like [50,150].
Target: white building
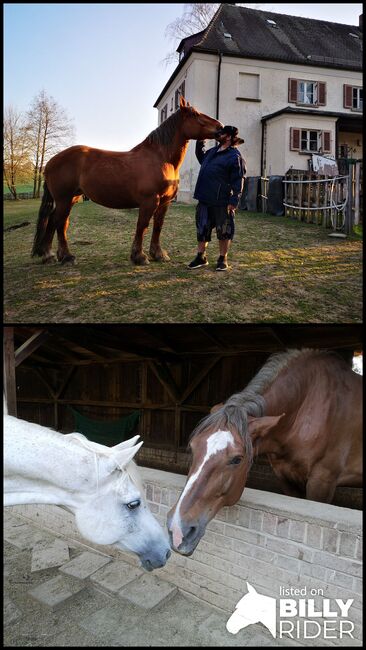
[293,87]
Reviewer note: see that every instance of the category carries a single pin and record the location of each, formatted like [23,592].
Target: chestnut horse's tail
[45,211]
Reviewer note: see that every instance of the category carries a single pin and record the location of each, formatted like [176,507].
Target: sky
[102,63]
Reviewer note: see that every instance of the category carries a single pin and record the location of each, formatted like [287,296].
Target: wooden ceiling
[80,344]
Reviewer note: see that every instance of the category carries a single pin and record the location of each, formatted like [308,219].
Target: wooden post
[9,371]
[348,209]
[357,193]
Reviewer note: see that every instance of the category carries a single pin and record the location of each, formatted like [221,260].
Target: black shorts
[209,217]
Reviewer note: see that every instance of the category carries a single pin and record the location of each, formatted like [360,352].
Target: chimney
[360,21]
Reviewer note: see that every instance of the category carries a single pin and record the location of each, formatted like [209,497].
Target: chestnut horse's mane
[164,133]
[234,413]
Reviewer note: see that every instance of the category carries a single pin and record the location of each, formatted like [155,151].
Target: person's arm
[237,173]
[200,150]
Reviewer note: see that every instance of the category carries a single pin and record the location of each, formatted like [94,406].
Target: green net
[106,432]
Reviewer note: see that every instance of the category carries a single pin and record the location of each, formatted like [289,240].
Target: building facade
[278,79]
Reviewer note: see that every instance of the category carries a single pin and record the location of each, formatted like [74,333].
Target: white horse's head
[115,510]
[253,608]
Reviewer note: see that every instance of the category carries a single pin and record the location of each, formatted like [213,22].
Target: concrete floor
[60,593]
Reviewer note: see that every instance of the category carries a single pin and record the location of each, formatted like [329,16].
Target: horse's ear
[125,444]
[122,457]
[182,102]
[251,589]
[260,427]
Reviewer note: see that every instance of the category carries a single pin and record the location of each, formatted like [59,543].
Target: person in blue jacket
[218,190]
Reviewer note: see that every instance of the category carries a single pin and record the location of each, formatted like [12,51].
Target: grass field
[24,187]
[281,271]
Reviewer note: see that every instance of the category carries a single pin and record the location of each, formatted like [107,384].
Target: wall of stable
[272,541]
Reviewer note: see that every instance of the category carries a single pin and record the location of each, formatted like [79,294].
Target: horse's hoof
[49,259]
[161,256]
[68,259]
[140,260]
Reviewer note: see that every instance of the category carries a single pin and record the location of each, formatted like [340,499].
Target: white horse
[253,608]
[98,484]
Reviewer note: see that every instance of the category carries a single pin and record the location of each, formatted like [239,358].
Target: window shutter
[292,90]
[294,139]
[322,93]
[326,141]
[347,96]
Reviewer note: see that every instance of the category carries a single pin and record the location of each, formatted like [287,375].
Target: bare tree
[17,147]
[195,18]
[51,131]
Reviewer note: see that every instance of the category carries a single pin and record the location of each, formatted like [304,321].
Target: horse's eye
[133,504]
[236,460]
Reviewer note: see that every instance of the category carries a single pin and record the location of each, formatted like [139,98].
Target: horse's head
[222,451]
[116,511]
[221,458]
[196,125]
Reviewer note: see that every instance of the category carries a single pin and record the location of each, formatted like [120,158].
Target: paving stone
[84,565]
[56,592]
[49,554]
[25,536]
[115,575]
[11,521]
[113,622]
[11,611]
[147,591]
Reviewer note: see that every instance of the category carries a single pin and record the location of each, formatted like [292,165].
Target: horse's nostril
[168,554]
[190,532]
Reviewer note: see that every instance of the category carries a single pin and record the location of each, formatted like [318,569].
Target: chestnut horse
[304,410]
[146,177]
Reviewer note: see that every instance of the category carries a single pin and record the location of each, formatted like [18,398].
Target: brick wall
[269,540]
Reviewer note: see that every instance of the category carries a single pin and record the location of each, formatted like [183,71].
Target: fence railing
[332,202]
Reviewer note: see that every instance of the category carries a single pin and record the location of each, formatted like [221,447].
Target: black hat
[230,130]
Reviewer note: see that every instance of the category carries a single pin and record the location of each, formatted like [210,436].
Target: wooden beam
[29,346]
[164,376]
[199,377]
[9,371]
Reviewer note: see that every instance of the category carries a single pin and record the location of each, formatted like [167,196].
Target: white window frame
[308,149]
[357,98]
[303,92]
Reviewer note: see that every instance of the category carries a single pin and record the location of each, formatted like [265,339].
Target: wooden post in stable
[9,371]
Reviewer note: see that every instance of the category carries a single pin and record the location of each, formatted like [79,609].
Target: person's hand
[231,208]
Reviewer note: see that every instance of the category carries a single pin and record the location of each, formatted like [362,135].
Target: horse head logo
[253,608]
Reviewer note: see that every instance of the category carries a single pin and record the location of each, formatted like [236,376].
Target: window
[307,92]
[352,97]
[312,93]
[248,86]
[179,92]
[164,113]
[310,140]
[357,99]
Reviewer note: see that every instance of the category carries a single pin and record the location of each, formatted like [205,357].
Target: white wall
[200,74]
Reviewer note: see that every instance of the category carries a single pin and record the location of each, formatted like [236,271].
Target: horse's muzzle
[151,561]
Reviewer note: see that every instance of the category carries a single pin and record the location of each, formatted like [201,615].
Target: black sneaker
[199,260]
[221,264]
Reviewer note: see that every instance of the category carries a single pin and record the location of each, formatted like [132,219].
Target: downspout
[262,149]
[218,84]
